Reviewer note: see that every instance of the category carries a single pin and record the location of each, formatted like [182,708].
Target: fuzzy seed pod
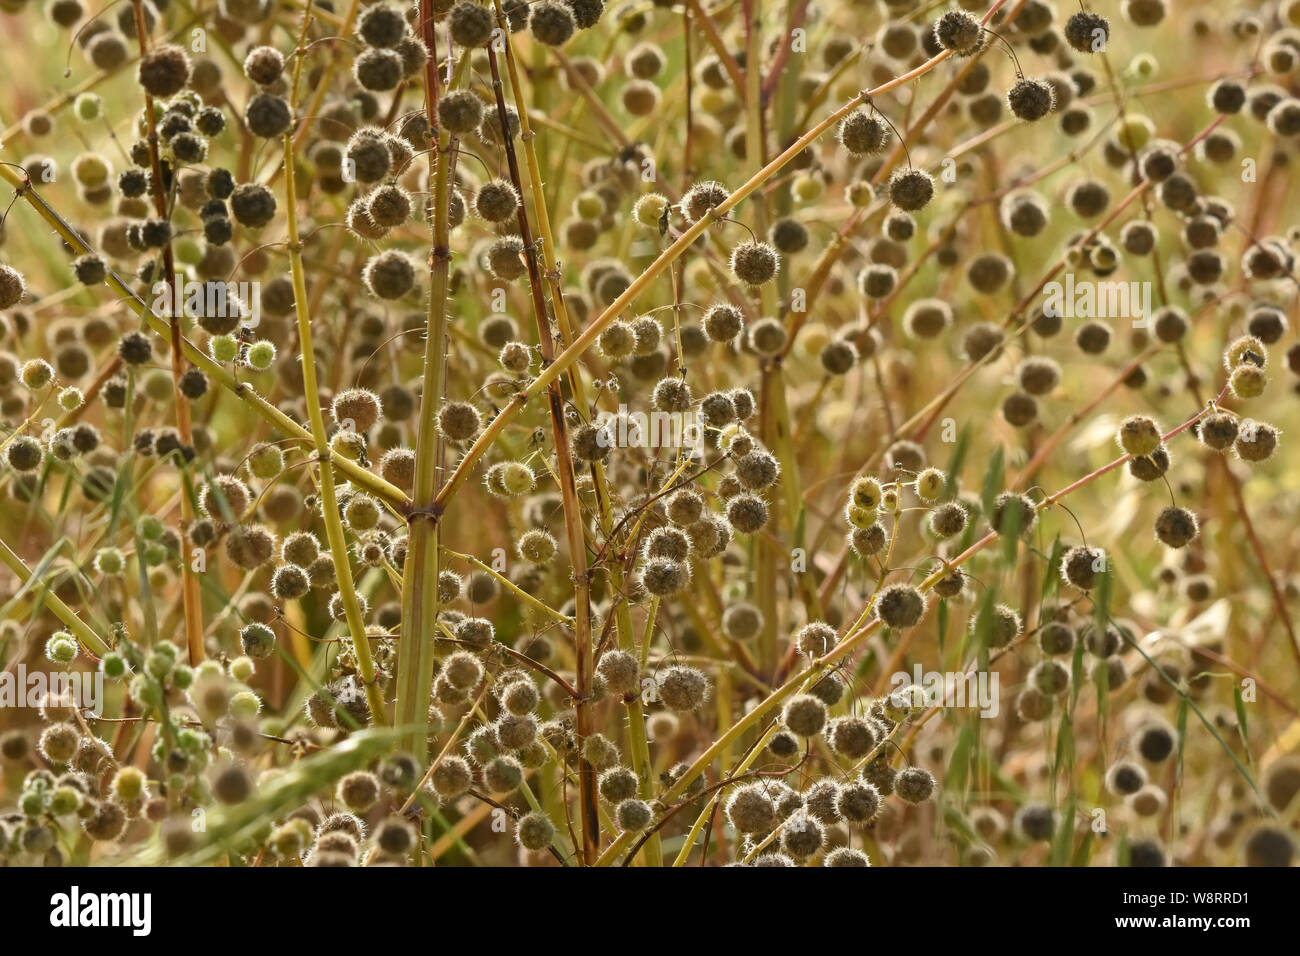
[496,201]
[1087,32]
[1081,565]
[741,622]
[620,672]
[914,785]
[900,606]
[552,23]
[1031,99]
[681,688]
[948,519]
[1176,527]
[1013,511]
[591,443]
[959,32]
[910,189]
[389,275]
[1257,442]
[863,134]
[460,112]
[459,421]
[751,809]
[747,513]
[754,263]
[164,71]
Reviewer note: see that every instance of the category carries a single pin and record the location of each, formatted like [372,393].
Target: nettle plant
[348,351]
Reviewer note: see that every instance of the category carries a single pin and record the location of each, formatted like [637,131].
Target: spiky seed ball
[1081,565]
[751,809]
[359,791]
[1257,442]
[851,737]
[382,25]
[948,519]
[1087,32]
[671,543]
[983,339]
[591,442]
[460,112]
[663,576]
[858,802]
[1020,409]
[534,831]
[503,774]
[951,585]
[164,71]
[804,715]
[1176,527]
[24,453]
[1267,323]
[754,263]
[866,493]
[838,356]
[1011,510]
[356,408]
[684,507]
[703,197]
[617,784]
[1035,822]
[451,778]
[1038,375]
[914,785]
[757,470]
[496,201]
[900,606]
[633,815]
[471,24]
[1226,96]
[815,638]
[263,65]
[389,206]
[681,688]
[1170,324]
[783,744]
[537,546]
[12,286]
[505,258]
[268,116]
[252,205]
[1155,742]
[1125,777]
[290,582]
[910,189]
[1248,381]
[802,835]
[767,336]
[1031,99]
[863,134]
[747,513]
[620,672]
[552,23]
[459,421]
[389,275]
[743,402]
[929,484]
[1004,627]
[1218,430]
[959,32]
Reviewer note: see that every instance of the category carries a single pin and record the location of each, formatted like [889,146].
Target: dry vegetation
[333,341]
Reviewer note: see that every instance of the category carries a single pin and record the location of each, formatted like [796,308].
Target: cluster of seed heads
[508,411]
